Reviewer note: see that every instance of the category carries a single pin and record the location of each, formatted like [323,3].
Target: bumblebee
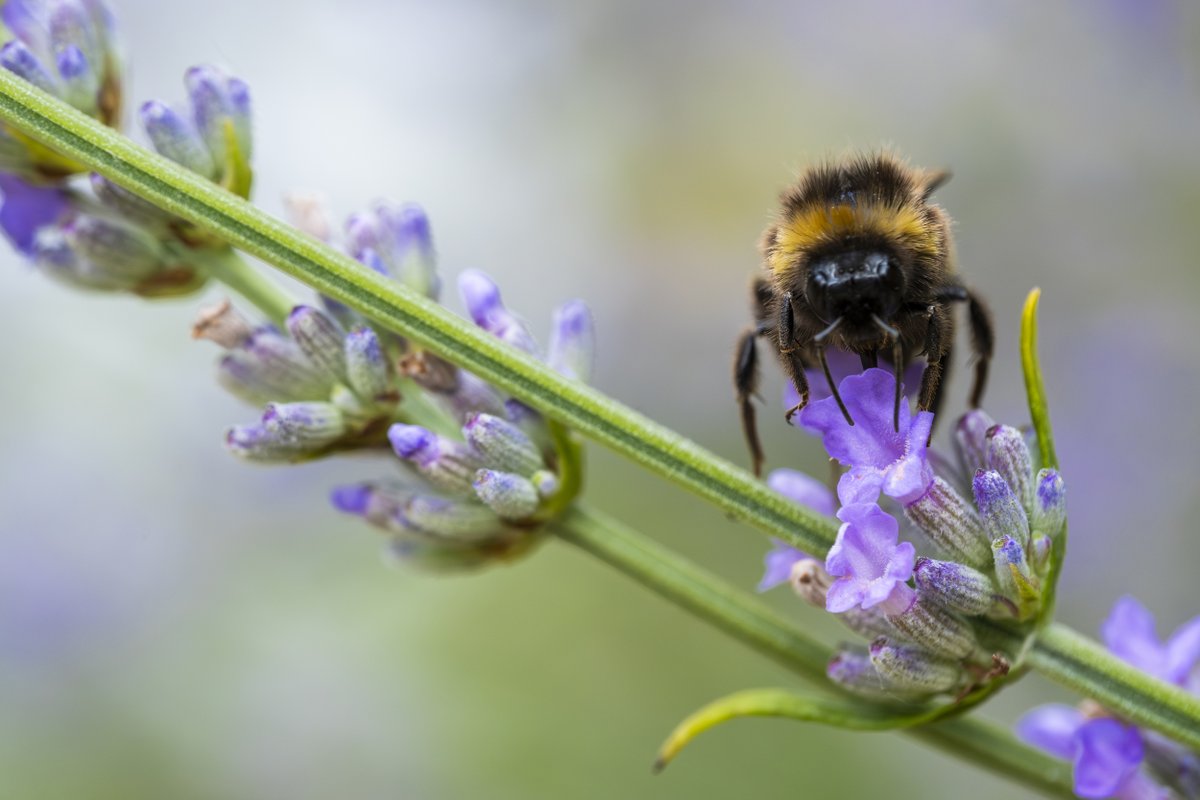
[858,258]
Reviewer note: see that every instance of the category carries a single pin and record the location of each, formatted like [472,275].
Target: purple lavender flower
[880,458]
[395,240]
[1108,754]
[871,565]
[24,208]
[1129,634]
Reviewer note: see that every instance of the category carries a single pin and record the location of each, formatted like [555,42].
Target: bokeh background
[176,624]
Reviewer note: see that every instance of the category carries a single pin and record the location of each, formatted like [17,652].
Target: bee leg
[819,342]
[795,370]
[982,343]
[791,355]
[869,359]
[745,382]
[937,356]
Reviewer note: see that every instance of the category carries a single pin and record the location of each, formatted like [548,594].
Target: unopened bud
[950,523]
[1006,452]
[913,669]
[453,519]
[367,368]
[447,464]
[175,137]
[321,338]
[970,437]
[934,628]
[287,432]
[999,508]
[502,445]
[546,483]
[269,366]
[852,669]
[1016,579]
[572,341]
[511,496]
[955,586]
[1049,503]
[117,248]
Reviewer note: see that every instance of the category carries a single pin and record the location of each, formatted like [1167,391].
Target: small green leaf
[783,703]
[1035,391]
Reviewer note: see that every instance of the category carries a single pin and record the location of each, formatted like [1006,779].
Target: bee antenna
[819,341]
[897,365]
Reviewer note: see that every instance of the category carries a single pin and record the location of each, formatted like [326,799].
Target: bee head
[854,285]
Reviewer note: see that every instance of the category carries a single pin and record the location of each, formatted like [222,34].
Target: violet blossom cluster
[83,229]
[477,470]
[986,557]
[474,471]
[1112,758]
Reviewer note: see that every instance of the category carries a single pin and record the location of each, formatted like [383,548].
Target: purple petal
[1053,728]
[352,499]
[860,485]
[867,557]
[802,489]
[1109,754]
[25,208]
[1129,634]
[843,596]
[1183,650]
[778,564]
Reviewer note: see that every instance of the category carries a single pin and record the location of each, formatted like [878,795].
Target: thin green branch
[755,624]
[1084,665]
[576,406]
[232,270]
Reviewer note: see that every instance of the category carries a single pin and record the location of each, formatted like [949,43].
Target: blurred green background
[176,624]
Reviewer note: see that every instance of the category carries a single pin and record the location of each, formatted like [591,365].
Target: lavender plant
[478,429]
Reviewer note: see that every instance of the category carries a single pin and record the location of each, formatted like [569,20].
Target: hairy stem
[232,270]
[578,407]
[753,623]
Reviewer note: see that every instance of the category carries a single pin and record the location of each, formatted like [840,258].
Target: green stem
[1076,661]
[580,408]
[231,269]
[753,623]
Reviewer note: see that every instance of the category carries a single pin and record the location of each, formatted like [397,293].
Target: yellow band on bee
[813,228]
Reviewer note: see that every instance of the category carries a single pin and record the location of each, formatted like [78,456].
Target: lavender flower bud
[367,368]
[53,256]
[114,247]
[853,669]
[481,296]
[572,341]
[176,138]
[912,669]
[449,465]
[1006,452]
[955,586]
[211,109]
[270,366]
[79,81]
[951,524]
[1049,503]
[1016,579]
[999,508]
[321,339]
[546,483]
[412,260]
[1039,552]
[287,432]
[450,519]
[934,628]
[436,556]
[511,496]
[970,436]
[502,445]
[20,60]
